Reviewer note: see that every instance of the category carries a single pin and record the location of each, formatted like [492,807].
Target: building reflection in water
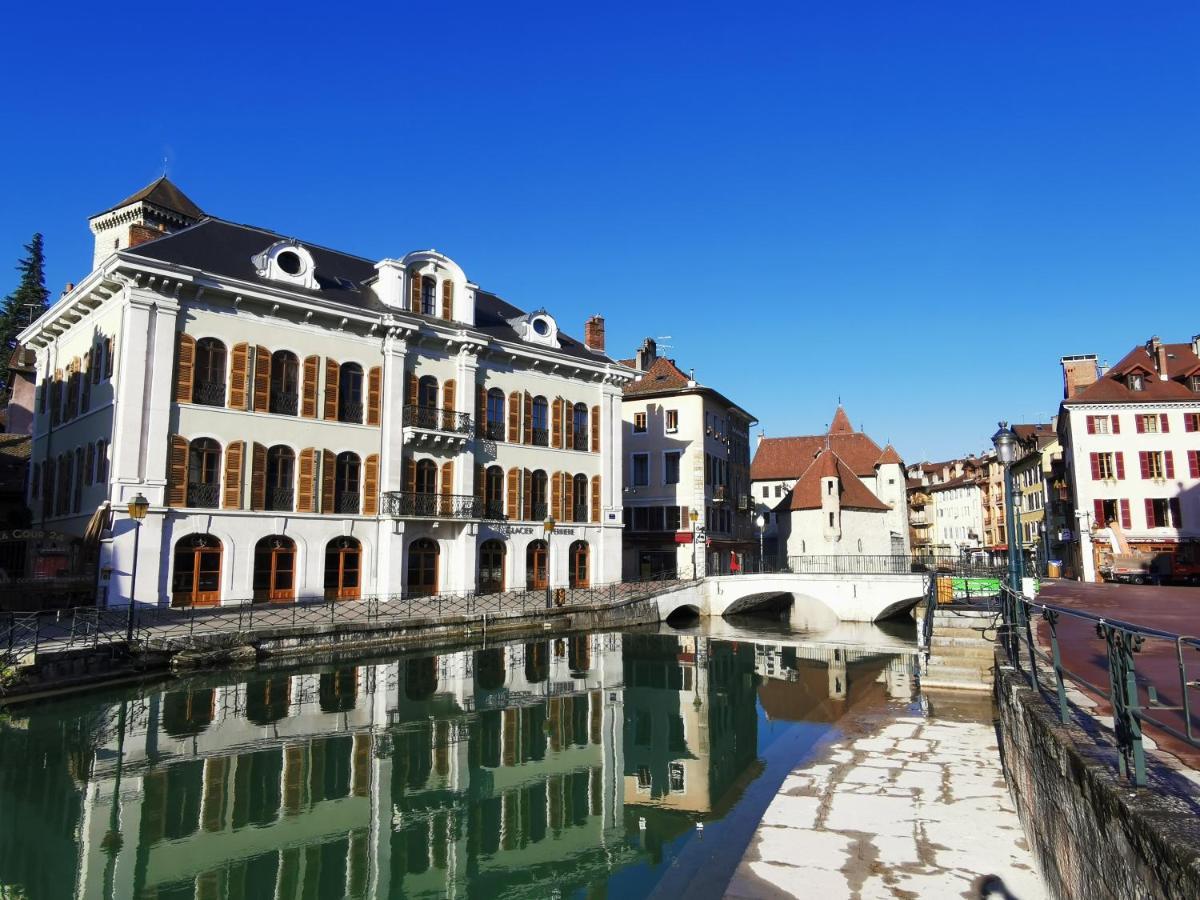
[521,769]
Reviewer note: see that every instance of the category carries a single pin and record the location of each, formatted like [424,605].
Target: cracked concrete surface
[909,807]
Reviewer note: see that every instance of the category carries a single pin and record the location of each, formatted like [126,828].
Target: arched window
[345,484]
[495,415]
[350,393]
[426,413]
[493,493]
[541,425]
[281,465]
[285,383]
[537,495]
[196,579]
[343,566]
[491,567]
[208,382]
[275,570]
[537,576]
[428,295]
[579,425]
[204,473]
[579,498]
[422,567]
[578,559]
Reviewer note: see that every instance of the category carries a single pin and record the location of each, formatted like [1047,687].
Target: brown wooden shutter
[569,418]
[262,379]
[514,494]
[331,389]
[239,372]
[258,477]
[410,475]
[449,398]
[312,372]
[556,423]
[565,493]
[447,299]
[596,498]
[527,484]
[185,365]
[595,429]
[308,476]
[556,496]
[514,417]
[177,462]
[480,408]
[447,486]
[371,485]
[374,394]
[413,384]
[233,474]
[528,418]
[328,467]
[480,475]
[414,291]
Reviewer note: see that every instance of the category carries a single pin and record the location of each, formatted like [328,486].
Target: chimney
[1196,344]
[1159,353]
[593,333]
[1079,373]
[762,435]
[140,234]
[646,355]
[389,283]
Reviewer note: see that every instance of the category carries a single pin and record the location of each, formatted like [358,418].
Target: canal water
[627,765]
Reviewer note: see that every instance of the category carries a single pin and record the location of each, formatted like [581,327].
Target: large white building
[309,423]
[1131,444]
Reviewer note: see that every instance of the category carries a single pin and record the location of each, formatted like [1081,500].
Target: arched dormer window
[289,262]
[428,296]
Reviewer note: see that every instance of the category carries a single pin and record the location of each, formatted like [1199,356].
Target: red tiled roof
[889,457]
[1181,362]
[841,422]
[663,375]
[968,478]
[853,494]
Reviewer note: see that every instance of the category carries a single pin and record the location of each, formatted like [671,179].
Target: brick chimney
[593,333]
[646,355]
[1079,373]
[140,234]
[1158,353]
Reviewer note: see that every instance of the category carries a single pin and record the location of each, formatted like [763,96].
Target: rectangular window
[778,491]
[641,518]
[1158,513]
[1098,425]
[1191,421]
[674,519]
[1148,424]
[639,423]
[656,519]
[1153,465]
[672,421]
[641,469]
[766,491]
[671,467]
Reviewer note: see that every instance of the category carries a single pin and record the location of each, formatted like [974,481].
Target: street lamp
[1005,443]
[138,507]
[761,522]
[694,517]
[548,528]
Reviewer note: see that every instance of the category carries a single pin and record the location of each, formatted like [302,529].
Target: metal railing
[492,431]
[579,514]
[494,510]
[209,393]
[350,411]
[436,419]
[1124,686]
[280,499]
[346,503]
[285,403]
[412,504]
[24,637]
[903,564]
[205,496]
[580,441]
[540,437]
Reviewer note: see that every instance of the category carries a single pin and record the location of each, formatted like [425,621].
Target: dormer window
[541,326]
[1194,383]
[289,262]
[537,328]
[428,295]
[1136,382]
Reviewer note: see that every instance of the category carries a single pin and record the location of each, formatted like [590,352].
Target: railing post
[1051,617]
[1123,696]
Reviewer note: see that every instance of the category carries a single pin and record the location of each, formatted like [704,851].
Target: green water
[598,765]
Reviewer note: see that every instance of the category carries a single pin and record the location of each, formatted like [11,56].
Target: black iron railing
[350,412]
[280,499]
[346,503]
[410,504]
[579,513]
[581,440]
[903,564]
[540,437]
[209,393]
[492,431]
[537,512]
[494,510]
[285,403]
[437,419]
[202,495]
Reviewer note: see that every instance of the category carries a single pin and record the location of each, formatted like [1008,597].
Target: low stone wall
[1094,835]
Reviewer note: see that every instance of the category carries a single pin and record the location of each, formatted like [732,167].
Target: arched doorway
[422,568]
[491,567]
[343,569]
[197,571]
[578,560]
[275,570]
[537,573]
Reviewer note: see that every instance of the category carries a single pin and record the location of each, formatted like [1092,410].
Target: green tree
[23,305]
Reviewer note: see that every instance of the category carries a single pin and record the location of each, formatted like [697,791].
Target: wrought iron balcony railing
[209,393]
[437,419]
[203,496]
[581,440]
[579,513]
[346,503]
[351,411]
[540,437]
[409,504]
[537,512]
[284,403]
[494,509]
[492,431]
[279,499]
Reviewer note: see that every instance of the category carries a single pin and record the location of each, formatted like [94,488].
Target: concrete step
[954,674]
[935,664]
[974,633]
[980,649]
[962,640]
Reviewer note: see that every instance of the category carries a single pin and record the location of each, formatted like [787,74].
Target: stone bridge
[818,601]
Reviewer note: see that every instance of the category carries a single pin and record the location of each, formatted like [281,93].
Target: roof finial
[164,174]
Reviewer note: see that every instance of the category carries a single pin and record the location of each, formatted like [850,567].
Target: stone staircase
[961,654]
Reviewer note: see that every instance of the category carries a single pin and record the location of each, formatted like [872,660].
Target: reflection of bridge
[819,601]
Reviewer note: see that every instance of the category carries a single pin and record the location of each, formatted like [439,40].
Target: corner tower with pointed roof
[157,209]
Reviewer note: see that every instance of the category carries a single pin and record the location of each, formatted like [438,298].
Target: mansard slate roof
[227,249]
[853,494]
[789,457]
[1111,388]
[164,193]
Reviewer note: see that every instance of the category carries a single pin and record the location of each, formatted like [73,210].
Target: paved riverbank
[915,808]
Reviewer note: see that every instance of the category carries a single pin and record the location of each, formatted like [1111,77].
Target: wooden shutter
[258,477]
[239,372]
[1120,457]
[306,502]
[308,392]
[595,429]
[1139,424]
[447,299]
[596,498]
[1126,521]
[514,495]
[185,366]
[371,485]
[556,423]
[414,291]
[413,384]
[527,483]
[1164,424]
[328,470]
[556,496]
[1169,463]
[1149,513]
[447,486]
[374,394]
[449,399]
[410,475]
[566,492]
[1095,459]
[480,475]
[1194,463]
[514,417]
[262,379]
[480,408]
[569,423]
[528,418]
[110,348]
[1176,512]
[233,475]
[1098,511]
[1091,424]
[1115,423]
[1144,463]
[331,389]
[177,462]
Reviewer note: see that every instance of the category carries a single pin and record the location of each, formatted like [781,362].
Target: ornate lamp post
[548,528]
[694,517]
[761,522]
[1005,443]
[138,507]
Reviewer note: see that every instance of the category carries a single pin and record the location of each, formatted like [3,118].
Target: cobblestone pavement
[916,808]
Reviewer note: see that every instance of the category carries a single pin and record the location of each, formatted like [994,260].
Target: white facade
[956,509]
[340,463]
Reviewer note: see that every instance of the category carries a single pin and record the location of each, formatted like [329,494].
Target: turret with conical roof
[157,209]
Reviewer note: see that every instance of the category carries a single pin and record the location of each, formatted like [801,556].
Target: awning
[96,525]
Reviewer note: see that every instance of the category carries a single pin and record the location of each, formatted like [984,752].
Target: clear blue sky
[917,207]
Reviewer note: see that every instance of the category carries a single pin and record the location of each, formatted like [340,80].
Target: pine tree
[23,305]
